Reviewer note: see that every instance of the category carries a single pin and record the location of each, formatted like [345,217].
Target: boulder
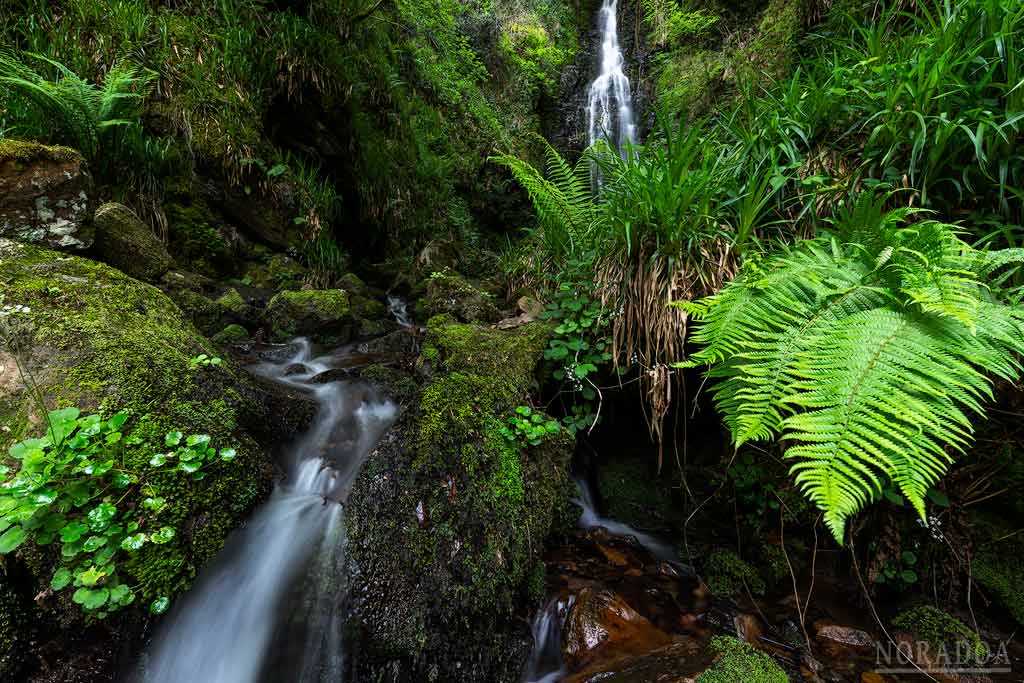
[44,195]
[322,314]
[683,661]
[96,339]
[125,242]
[448,516]
[232,334]
[601,625]
[449,292]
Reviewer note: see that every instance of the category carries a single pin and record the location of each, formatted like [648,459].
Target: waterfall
[545,663]
[590,518]
[270,607]
[610,102]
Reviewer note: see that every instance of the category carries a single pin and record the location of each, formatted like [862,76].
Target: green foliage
[103,122]
[667,22]
[941,630]
[69,488]
[862,352]
[740,662]
[204,360]
[898,573]
[528,426]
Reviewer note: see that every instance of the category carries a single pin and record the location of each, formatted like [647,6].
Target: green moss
[725,574]
[493,352]
[941,630]
[740,662]
[322,313]
[195,239]
[233,302]
[232,334]
[399,385]
[637,494]
[104,342]
[449,292]
[21,151]
[1000,571]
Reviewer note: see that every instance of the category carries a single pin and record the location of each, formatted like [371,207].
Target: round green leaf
[164,535]
[11,539]
[227,454]
[61,578]
[173,438]
[134,542]
[95,599]
[160,605]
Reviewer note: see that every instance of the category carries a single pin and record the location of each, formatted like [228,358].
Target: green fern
[566,210]
[865,357]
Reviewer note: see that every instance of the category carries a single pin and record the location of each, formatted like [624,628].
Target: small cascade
[545,664]
[610,101]
[590,518]
[399,310]
[270,607]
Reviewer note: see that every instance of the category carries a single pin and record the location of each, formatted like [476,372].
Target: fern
[565,208]
[866,358]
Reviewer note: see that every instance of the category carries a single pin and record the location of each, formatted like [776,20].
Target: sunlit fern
[865,352]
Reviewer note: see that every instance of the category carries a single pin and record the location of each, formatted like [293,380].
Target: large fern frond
[866,358]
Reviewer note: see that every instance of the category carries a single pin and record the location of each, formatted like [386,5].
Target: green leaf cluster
[865,351]
[529,426]
[69,489]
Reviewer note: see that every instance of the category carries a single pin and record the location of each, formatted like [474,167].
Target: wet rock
[269,221]
[680,662]
[44,195]
[323,314]
[602,625]
[399,342]
[128,244]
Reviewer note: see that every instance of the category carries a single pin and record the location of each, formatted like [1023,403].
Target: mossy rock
[209,315]
[448,518]
[125,242]
[633,491]
[449,292]
[232,334]
[1000,571]
[325,315]
[104,342]
[941,631]
[279,271]
[726,574]
[45,195]
[196,238]
[740,662]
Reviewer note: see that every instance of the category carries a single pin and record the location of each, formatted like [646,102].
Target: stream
[269,607]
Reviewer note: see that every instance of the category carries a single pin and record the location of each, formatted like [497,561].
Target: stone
[232,334]
[449,292]
[45,196]
[601,624]
[322,314]
[125,242]
[843,636]
[683,661]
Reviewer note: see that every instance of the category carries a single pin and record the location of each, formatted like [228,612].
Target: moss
[486,351]
[941,630]
[232,334]
[20,151]
[14,631]
[725,574]
[196,240]
[999,570]
[125,242]
[740,662]
[771,51]
[323,314]
[637,494]
[397,384]
[449,292]
[367,308]
[105,342]
[233,302]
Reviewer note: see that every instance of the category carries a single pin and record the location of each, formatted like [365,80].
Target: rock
[125,242]
[111,343]
[450,293]
[279,271]
[232,334]
[266,220]
[44,195]
[634,492]
[398,342]
[601,625]
[323,314]
[439,600]
[843,636]
[680,662]
[235,306]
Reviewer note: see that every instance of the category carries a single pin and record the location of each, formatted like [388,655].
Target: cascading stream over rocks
[269,608]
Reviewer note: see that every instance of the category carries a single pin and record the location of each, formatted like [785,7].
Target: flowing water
[399,310]
[591,518]
[610,101]
[545,663]
[269,607]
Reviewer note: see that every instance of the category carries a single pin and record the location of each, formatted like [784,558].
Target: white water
[545,663]
[610,101]
[398,308]
[591,519]
[269,607]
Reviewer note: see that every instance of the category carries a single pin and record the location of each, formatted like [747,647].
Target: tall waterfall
[610,102]
[269,607]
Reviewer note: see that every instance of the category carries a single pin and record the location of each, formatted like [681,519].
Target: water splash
[545,664]
[610,101]
[269,607]
[398,308]
[590,519]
